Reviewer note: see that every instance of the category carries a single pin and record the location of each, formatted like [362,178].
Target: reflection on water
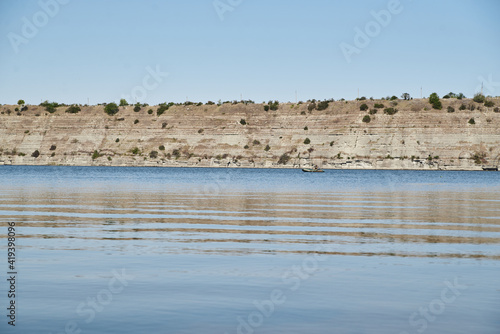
[166,225]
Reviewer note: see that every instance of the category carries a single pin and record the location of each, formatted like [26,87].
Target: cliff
[415,137]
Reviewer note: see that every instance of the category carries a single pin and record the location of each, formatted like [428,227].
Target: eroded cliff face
[416,137]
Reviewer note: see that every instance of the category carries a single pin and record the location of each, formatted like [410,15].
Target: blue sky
[102,50]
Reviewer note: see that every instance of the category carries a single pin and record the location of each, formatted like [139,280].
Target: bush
[150,111]
[322,105]
[489,103]
[274,105]
[161,148]
[200,131]
[311,106]
[267,148]
[20,102]
[496,109]
[379,105]
[437,105]
[394,97]
[53,147]
[117,140]
[479,158]
[49,106]
[246,147]
[35,154]
[390,111]
[451,109]
[95,155]
[153,154]
[256,142]
[373,111]
[135,151]
[462,107]
[163,107]
[73,109]
[306,128]
[266,107]
[243,122]
[471,107]
[123,103]
[472,121]
[479,98]
[137,107]
[363,107]
[433,98]
[283,160]
[367,119]
[406,96]
[307,141]
[136,121]
[111,109]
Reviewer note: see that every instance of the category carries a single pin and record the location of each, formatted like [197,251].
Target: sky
[152,51]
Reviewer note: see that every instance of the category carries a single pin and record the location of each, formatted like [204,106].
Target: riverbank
[387,135]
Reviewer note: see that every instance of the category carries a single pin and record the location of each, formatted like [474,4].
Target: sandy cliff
[211,136]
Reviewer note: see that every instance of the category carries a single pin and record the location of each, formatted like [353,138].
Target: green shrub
[49,106]
[283,160]
[363,107]
[200,131]
[433,98]
[437,105]
[256,142]
[153,154]
[137,107]
[496,109]
[20,102]
[266,107]
[161,148]
[366,119]
[460,96]
[267,148]
[246,147]
[472,121]
[479,158]
[479,98]
[373,111]
[117,140]
[451,109]
[95,155]
[394,97]
[307,141]
[471,107]
[406,96]
[462,107]
[150,111]
[379,105]
[135,151]
[306,128]
[274,105]
[322,105]
[136,121]
[311,106]
[35,154]
[163,107]
[111,109]
[243,122]
[53,147]
[489,103]
[123,103]
[73,109]
[390,111]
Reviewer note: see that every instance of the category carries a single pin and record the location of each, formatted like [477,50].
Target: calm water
[149,250]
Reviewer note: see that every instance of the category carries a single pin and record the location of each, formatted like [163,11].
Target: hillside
[415,137]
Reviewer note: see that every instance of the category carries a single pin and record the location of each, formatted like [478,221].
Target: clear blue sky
[102,50]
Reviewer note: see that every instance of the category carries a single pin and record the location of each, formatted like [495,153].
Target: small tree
[406,96]
[366,119]
[111,109]
[434,100]
[479,98]
[123,103]
[394,97]
[307,141]
[363,107]
[20,102]
[489,103]
[73,109]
